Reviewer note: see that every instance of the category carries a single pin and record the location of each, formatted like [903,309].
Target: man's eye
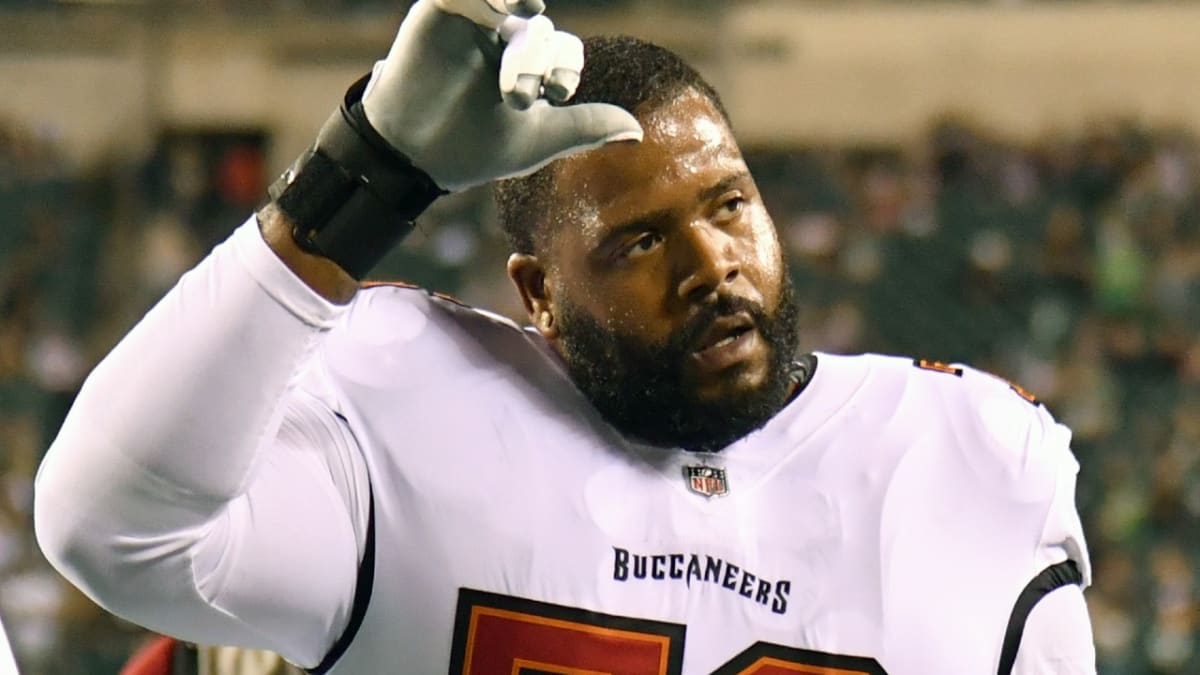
[730,208]
[642,245]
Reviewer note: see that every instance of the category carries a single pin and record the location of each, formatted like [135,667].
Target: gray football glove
[441,98]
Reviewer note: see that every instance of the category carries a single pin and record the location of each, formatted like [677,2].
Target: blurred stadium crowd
[1070,265]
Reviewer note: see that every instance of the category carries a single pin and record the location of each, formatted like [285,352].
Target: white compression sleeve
[166,495]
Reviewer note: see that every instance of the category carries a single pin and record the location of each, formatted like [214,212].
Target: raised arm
[171,440]
[194,487]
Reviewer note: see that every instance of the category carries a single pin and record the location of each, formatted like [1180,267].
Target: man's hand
[470,92]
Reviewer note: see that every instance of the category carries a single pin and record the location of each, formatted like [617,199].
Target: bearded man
[646,479]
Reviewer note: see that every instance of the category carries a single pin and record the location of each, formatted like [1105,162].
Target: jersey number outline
[496,633]
[939,367]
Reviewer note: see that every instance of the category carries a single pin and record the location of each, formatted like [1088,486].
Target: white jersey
[413,486]
[885,521]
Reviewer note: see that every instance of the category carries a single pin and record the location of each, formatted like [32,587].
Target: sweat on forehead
[687,145]
[685,140]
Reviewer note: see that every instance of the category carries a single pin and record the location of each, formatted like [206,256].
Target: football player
[646,479]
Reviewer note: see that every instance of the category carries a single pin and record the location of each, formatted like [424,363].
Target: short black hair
[638,76]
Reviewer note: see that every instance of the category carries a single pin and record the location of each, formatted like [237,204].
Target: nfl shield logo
[707,481]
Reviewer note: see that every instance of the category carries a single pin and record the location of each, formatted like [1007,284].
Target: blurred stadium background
[1011,184]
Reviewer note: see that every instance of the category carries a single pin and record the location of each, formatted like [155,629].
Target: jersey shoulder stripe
[363,588]
[1053,577]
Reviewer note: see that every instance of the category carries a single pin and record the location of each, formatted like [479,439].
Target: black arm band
[352,196]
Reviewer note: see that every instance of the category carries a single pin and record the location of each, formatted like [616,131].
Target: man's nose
[708,262]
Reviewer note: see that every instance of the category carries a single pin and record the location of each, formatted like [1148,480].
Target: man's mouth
[724,331]
[729,340]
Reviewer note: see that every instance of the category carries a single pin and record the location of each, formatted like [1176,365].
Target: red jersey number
[502,634]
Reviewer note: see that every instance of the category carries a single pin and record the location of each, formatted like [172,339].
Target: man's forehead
[687,140]
[690,119]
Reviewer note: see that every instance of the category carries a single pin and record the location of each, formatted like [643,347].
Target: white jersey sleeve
[193,489]
[1054,635]
[1057,637]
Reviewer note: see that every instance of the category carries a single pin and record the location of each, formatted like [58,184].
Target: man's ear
[529,276]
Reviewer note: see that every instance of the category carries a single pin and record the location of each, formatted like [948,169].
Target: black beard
[642,391]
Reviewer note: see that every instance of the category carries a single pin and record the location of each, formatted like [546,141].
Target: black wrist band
[352,196]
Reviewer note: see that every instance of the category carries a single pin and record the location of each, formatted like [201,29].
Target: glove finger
[565,130]
[527,90]
[566,62]
[525,60]
[510,26]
